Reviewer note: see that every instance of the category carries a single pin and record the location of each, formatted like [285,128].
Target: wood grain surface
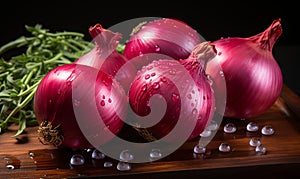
[31,159]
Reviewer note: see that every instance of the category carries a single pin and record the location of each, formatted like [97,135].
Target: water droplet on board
[224,147]
[97,154]
[155,154]
[77,159]
[254,142]
[260,149]
[123,166]
[199,149]
[229,128]
[267,130]
[212,125]
[206,133]
[10,167]
[107,164]
[252,127]
[126,156]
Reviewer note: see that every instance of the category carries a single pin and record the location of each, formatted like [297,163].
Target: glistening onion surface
[55,104]
[253,77]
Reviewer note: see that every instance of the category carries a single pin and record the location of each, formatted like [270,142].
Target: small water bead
[267,130]
[147,76]
[261,149]
[229,128]
[172,72]
[153,74]
[212,125]
[123,166]
[11,167]
[97,154]
[144,88]
[175,97]
[107,164]
[155,154]
[156,85]
[224,147]
[199,149]
[77,159]
[102,103]
[252,127]
[163,79]
[194,111]
[126,156]
[157,48]
[221,73]
[76,102]
[205,133]
[254,142]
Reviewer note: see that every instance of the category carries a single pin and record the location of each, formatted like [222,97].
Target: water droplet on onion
[157,48]
[102,103]
[172,72]
[147,76]
[156,85]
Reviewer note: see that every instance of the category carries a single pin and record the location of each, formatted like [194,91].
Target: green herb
[21,74]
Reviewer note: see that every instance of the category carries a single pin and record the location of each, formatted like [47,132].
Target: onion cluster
[165,62]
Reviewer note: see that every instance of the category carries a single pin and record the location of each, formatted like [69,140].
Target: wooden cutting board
[26,157]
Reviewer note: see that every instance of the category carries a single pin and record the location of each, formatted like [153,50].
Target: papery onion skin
[54,103]
[105,57]
[154,79]
[253,77]
[167,36]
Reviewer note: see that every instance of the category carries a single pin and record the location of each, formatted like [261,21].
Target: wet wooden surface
[31,159]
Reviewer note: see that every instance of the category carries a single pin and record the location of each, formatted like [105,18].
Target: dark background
[212,20]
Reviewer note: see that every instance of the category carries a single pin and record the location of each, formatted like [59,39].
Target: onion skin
[105,57]
[167,36]
[54,104]
[155,79]
[253,77]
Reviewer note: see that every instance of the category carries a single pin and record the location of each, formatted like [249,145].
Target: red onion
[167,36]
[253,77]
[192,97]
[55,105]
[105,57]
